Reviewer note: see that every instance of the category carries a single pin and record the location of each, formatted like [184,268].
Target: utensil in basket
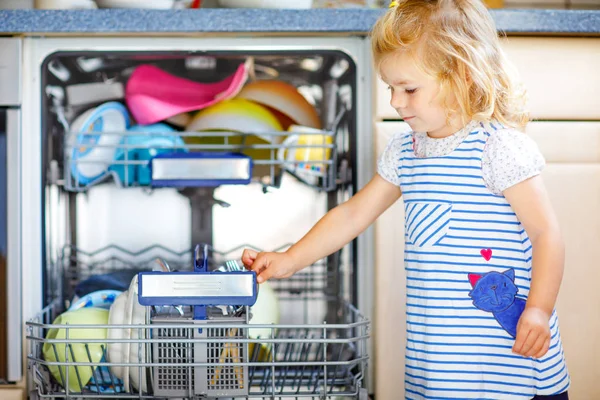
[229,350]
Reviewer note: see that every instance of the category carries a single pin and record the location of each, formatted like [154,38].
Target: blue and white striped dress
[464,243]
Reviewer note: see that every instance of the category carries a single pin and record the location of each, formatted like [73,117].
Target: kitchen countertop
[247,21]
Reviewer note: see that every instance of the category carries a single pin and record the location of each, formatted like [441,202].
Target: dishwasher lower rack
[178,357]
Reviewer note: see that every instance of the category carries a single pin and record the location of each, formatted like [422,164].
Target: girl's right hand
[269,265]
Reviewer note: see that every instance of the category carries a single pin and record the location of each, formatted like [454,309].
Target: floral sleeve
[388,165]
[510,157]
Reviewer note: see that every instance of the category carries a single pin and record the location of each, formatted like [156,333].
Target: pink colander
[153,95]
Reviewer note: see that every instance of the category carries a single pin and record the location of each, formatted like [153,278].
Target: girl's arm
[530,202]
[338,227]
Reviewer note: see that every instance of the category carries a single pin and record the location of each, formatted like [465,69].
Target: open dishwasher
[158,168]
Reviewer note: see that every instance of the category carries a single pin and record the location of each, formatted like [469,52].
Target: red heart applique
[486,253]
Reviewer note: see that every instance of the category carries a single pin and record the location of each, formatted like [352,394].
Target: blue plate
[104,382]
[100,299]
[112,118]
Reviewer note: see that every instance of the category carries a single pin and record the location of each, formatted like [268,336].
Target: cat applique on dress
[496,292]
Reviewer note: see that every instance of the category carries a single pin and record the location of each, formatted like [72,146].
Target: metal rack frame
[307,361]
[274,164]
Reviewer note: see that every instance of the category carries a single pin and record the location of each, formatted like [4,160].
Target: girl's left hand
[533,333]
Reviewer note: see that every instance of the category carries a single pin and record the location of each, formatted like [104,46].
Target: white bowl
[154,4]
[62,4]
[296,4]
[264,312]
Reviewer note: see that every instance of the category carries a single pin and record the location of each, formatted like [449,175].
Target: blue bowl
[153,140]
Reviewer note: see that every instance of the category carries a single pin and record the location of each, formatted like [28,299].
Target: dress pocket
[427,223]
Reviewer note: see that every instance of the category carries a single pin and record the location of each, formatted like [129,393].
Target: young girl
[483,253]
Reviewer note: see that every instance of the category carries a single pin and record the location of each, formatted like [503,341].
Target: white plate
[114,351]
[138,317]
[127,321]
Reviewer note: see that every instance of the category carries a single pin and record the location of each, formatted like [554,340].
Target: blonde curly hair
[456,42]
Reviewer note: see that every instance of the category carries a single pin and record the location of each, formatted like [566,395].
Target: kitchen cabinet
[11,393]
[574,189]
[560,74]
[572,177]
[390,278]
[567,141]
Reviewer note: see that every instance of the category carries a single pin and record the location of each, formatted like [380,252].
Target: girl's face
[415,96]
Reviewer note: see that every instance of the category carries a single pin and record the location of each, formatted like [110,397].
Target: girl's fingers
[520,340]
[544,349]
[248,257]
[532,337]
[536,347]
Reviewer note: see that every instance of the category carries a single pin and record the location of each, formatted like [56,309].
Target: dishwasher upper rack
[116,155]
[300,361]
